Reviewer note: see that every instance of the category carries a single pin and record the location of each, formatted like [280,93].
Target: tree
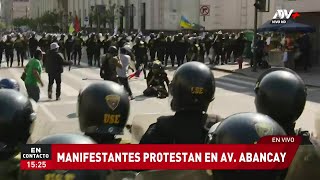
[31,23]
[49,18]
[2,26]
[107,18]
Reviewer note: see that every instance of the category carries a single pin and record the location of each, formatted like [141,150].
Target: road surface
[234,94]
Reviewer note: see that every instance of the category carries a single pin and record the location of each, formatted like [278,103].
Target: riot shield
[121,175]
[141,123]
[305,165]
[176,175]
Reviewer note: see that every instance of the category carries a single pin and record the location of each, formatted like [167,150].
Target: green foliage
[49,18]
[107,18]
[2,26]
[18,22]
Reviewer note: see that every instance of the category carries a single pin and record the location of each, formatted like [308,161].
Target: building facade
[6,11]
[21,8]
[166,14]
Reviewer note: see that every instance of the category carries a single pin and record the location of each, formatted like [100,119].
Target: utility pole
[254,68]
[26,11]
[126,14]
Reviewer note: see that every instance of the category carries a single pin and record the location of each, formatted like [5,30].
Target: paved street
[234,94]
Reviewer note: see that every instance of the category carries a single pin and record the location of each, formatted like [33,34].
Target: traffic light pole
[127,19]
[254,68]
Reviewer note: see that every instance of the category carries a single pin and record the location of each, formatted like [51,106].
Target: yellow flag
[71,28]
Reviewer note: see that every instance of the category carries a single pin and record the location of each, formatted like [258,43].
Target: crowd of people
[101,120]
[192,89]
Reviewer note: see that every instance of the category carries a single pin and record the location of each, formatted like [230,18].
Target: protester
[33,76]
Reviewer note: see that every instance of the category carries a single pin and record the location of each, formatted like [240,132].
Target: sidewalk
[311,78]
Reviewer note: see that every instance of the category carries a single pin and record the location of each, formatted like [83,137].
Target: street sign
[205,10]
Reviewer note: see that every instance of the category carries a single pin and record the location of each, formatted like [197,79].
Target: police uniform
[108,70]
[190,100]
[62,46]
[9,169]
[151,46]
[16,119]
[245,128]
[18,45]
[140,51]
[155,81]
[106,43]
[2,45]
[103,110]
[161,47]
[33,45]
[91,45]
[77,48]
[284,105]
[69,47]
[8,47]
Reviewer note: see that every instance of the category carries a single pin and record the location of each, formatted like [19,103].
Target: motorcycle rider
[16,119]
[103,109]
[192,90]
[245,128]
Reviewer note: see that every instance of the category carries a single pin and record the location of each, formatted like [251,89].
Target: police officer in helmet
[16,118]
[111,61]
[192,90]
[245,128]
[8,83]
[103,110]
[281,94]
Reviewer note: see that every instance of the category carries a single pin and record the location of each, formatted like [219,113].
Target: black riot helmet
[157,67]
[281,94]
[103,108]
[16,118]
[66,139]
[245,128]
[8,83]
[192,87]
[113,50]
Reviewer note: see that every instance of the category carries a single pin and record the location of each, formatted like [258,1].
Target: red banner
[268,153]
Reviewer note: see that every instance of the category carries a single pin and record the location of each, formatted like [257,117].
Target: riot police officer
[70,174]
[8,47]
[103,110]
[155,81]
[110,62]
[281,94]
[62,48]
[161,47]
[69,47]
[192,90]
[33,45]
[140,51]
[151,46]
[8,83]
[245,128]
[106,43]
[91,45]
[77,48]
[18,45]
[16,118]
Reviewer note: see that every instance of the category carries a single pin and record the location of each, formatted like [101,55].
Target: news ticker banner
[269,153]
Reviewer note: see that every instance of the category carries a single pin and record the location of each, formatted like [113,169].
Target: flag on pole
[71,28]
[77,27]
[185,23]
